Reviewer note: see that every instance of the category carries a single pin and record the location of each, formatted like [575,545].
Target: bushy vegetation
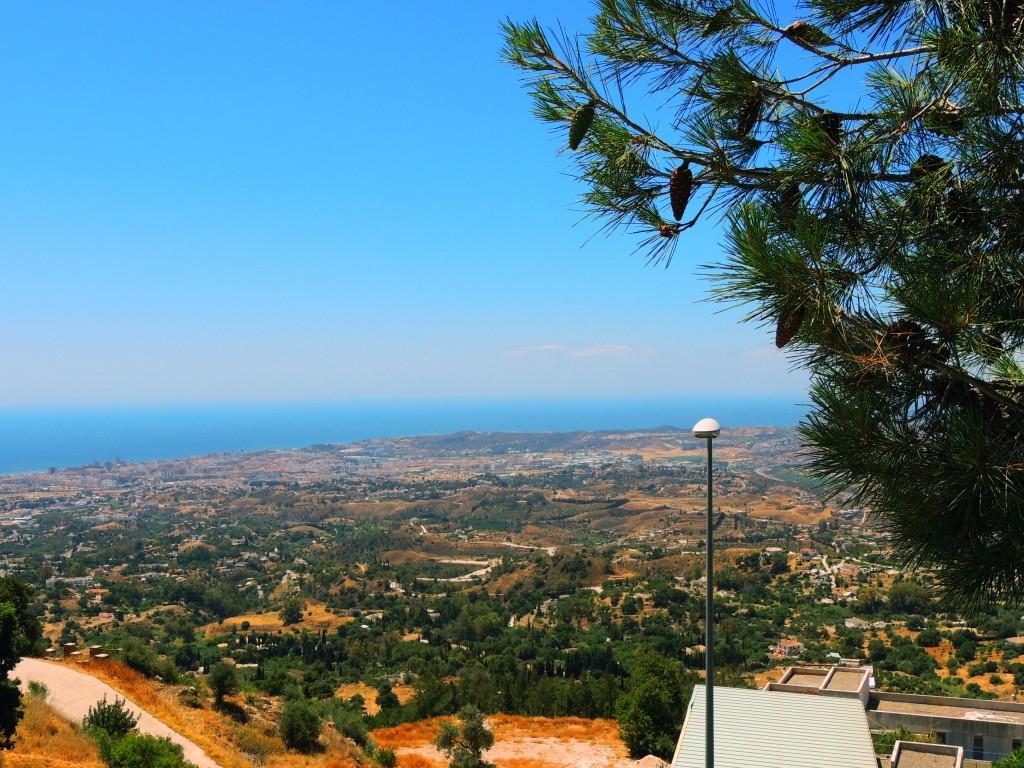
[115,719]
[300,725]
[1014,760]
[113,727]
[885,741]
[464,743]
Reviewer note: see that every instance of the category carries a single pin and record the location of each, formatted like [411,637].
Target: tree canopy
[20,635]
[649,714]
[866,158]
[465,743]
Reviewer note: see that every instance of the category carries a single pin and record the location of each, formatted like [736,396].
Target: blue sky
[232,202]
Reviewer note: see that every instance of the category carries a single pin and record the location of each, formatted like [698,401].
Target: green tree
[465,743]
[386,697]
[300,725]
[223,680]
[867,158]
[20,635]
[648,714]
[909,597]
[291,611]
[929,638]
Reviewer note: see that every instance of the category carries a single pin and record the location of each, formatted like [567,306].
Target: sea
[34,440]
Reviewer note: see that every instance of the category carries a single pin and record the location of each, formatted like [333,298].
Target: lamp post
[709,429]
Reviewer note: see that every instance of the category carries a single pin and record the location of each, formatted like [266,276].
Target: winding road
[71,693]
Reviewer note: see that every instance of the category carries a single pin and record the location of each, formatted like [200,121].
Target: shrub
[137,655]
[115,720]
[300,725]
[255,744]
[350,725]
[138,750]
[386,758]
[223,680]
[884,741]
[37,690]
[929,638]
[1013,760]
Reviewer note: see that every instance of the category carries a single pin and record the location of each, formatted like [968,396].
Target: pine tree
[868,161]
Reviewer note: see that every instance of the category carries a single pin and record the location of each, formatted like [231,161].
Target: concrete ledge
[904,753]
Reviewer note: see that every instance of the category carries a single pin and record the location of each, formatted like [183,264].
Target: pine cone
[926,165]
[680,185]
[907,339]
[719,22]
[748,115]
[582,119]
[789,204]
[790,320]
[831,124]
[945,118]
[804,33]
[668,230]
[962,211]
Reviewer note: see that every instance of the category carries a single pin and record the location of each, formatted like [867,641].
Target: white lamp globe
[706,428]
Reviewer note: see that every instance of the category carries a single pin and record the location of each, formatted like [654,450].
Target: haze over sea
[34,440]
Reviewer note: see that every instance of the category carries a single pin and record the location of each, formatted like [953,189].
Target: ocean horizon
[34,440]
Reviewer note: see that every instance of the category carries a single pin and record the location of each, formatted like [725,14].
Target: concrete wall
[949,701]
[996,737]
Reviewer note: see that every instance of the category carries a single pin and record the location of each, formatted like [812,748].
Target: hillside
[46,740]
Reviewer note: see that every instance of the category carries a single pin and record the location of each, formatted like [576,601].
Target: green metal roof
[775,729]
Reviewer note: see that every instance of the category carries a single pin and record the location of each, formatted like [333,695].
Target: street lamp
[709,429]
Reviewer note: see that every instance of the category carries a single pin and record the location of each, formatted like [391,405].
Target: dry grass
[203,726]
[227,743]
[369,694]
[45,739]
[417,734]
[314,618]
[414,760]
[526,762]
[519,742]
[338,752]
[507,727]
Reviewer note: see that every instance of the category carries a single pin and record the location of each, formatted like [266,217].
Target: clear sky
[251,201]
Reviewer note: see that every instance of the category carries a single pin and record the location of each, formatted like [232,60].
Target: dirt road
[72,693]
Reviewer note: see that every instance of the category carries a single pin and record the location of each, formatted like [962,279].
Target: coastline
[36,440]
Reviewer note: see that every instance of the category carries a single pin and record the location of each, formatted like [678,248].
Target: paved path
[72,693]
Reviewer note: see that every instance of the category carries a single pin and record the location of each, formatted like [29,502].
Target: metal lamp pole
[709,429]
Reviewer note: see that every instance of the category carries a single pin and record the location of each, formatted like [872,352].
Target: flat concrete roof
[806,678]
[956,712]
[913,754]
[910,759]
[846,679]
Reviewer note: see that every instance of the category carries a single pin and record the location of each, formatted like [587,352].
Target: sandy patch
[314,618]
[369,694]
[520,742]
